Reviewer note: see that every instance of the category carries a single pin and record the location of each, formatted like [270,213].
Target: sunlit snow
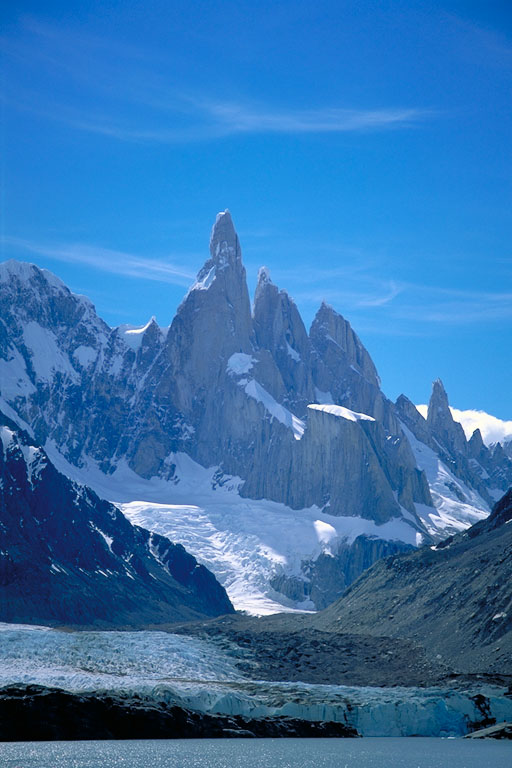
[341,412]
[244,542]
[451,514]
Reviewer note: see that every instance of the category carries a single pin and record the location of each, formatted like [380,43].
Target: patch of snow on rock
[86,356]
[341,412]
[293,353]
[240,363]
[275,409]
[47,356]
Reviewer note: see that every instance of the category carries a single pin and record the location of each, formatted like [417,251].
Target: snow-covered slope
[68,557]
[246,543]
[456,506]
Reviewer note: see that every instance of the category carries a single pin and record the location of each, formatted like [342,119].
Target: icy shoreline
[195,675]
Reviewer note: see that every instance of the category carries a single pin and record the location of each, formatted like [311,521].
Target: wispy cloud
[357,294]
[243,118]
[132,95]
[360,288]
[216,120]
[106,260]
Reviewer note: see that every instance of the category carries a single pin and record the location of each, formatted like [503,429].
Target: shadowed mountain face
[454,599]
[298,417]
[67,557]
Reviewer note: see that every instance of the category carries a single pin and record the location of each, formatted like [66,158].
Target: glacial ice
[244,542]
[198,675]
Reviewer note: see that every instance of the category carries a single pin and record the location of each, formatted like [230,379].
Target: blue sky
[363,148]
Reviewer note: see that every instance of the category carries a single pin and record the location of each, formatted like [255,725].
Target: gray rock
[230,388]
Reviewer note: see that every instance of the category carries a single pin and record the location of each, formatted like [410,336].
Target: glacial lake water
[260,753]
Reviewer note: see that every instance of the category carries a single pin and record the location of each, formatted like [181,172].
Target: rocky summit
[292,421]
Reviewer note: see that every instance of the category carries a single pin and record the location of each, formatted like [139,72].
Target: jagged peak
[476,444]
[440,419]
[264,276]
[331,328]
[325,307]
[225,252]
[263,286]
[224,244]
[326,316]
[134,334]
[476,436]
[498,452]
[405,405]
[438,399]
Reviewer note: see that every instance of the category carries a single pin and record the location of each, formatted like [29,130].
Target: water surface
[260,753]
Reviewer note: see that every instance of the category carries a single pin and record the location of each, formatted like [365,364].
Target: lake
[259,753]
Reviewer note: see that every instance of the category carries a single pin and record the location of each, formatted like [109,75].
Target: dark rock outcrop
[499,731]
[68,557]
[36,713]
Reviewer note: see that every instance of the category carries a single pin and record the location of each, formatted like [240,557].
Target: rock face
[231,388]
[481,470]
[445,430]
[67,557]
[454,599]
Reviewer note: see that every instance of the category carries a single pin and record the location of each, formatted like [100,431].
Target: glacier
[244,542]
[199,675]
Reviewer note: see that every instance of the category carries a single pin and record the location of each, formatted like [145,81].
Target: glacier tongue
[244,542]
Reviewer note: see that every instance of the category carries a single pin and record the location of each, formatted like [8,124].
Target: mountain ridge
[229,386]
[68,557]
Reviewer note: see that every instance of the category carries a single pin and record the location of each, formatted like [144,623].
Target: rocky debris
[498,731]
[68,557]
[36,713]
[284,647]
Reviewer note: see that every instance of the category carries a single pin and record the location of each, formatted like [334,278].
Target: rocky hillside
[454,599]
[67,557]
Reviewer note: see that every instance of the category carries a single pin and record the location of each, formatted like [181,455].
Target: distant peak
[476,438]
[25,271]
[325,313]
[224,243]
[439,398]
[264,276]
